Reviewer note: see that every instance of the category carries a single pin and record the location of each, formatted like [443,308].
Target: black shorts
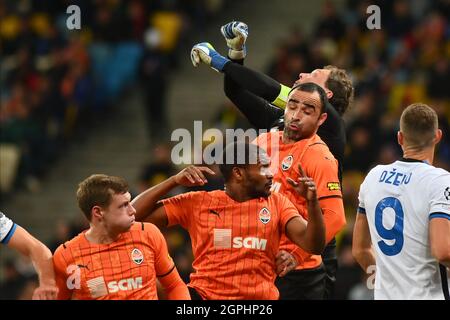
[329,259]
[308,284]
[194,294]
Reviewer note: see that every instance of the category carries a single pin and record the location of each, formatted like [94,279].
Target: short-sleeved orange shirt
[234,243]
[318,163]
[125,269]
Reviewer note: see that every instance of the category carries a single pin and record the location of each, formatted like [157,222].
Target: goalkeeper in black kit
[262,100]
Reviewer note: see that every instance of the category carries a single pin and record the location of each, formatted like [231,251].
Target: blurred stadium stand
[105,99]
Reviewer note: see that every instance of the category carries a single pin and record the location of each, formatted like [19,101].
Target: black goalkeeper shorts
[194,294]
[329,259]
[308,284]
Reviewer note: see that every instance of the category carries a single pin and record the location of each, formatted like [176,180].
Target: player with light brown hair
[116,258]
[403,223]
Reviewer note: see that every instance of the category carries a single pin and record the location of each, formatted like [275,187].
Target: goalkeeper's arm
[257,83]
[260,113]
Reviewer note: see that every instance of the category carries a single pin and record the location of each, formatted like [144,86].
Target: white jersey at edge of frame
[7,228]
[399,200]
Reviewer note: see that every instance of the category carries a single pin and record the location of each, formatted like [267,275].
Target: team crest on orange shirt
[287,162]
[264,215]
[137,256]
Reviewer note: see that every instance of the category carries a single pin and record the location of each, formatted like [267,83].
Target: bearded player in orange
[235,232]
[297,144]
[116,258]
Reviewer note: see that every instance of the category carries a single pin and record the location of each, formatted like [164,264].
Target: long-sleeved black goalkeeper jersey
[262,100]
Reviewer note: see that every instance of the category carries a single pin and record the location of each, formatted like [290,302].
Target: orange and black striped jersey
[318,163]
[124,269]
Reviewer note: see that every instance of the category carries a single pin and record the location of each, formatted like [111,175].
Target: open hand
[45,292]
[304,185]
[193,176]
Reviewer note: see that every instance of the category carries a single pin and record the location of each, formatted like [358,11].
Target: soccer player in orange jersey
[235,233]
[116,258]
[297,144]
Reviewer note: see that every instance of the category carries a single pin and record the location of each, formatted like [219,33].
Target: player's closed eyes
[292,105]
[308,109]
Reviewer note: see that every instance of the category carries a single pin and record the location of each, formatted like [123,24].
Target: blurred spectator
[401,21]
[62,234]
[361,291]
[438,79]
[56,81]
[159,169]
[228,117]
[179,245]
[329,24]
[13,282]
[154,72]
[20,280]
[349,273]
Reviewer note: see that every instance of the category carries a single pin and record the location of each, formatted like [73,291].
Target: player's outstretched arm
[333,215]
[440,239]
[362,244]
[235,34]
[146,204]
[325,173]
[257,83]
[309,236]
[205,53]
[41,257]
[439,217]
[260,113]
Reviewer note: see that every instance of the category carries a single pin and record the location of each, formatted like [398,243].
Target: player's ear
[438,136]
[329,93]
[322,118]
[96,212]
[238,174]
[400,138]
